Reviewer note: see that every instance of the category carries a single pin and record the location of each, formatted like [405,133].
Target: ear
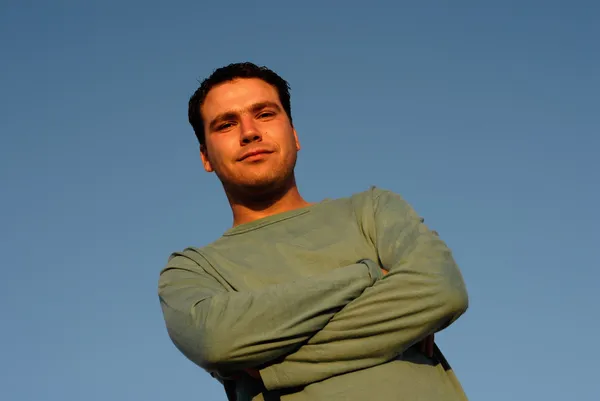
[204,158]
[296,139]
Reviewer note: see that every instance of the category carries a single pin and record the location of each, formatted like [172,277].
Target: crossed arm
[319,327]
[225,332]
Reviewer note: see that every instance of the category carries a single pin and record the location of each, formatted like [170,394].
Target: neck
[247,208]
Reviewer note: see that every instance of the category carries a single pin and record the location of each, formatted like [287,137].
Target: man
[335,300]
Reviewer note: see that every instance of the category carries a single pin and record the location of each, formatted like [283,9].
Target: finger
[430,345]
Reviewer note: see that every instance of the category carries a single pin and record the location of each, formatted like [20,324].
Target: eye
[224,126]
[266,114]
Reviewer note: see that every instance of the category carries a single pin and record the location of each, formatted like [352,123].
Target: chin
[263,185]
[261,181]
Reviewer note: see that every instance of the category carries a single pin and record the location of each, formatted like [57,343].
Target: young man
[299,301]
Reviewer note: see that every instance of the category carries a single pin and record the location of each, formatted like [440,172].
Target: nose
[249,132]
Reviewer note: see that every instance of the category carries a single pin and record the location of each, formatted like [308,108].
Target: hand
[426,345]
[254,373]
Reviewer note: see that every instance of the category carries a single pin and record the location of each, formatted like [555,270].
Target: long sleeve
[422,293]
[225,331]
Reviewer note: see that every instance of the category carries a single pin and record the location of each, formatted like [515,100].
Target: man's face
[250,142]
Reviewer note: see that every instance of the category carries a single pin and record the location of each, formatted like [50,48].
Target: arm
[224,331]
[422,293]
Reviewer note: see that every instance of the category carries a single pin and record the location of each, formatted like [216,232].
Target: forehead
[238,94]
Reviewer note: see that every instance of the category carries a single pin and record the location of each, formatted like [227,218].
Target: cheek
[222,150]
[284,136]
[292,144]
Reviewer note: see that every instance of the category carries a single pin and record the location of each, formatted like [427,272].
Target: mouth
[254,154]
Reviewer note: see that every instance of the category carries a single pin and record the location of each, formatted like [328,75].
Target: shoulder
[188,263]
[190,258]
[383,202]
[373,196]
[363,201]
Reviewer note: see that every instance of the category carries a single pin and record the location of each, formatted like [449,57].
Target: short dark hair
[229,73]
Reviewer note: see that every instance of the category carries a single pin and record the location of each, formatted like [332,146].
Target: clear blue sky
[484,115]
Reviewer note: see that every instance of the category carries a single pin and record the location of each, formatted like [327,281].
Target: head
[241,115]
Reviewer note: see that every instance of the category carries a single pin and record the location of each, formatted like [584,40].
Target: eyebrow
[231,115]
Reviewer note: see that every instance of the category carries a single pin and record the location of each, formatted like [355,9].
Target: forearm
[230,331]
[422,293]
[389,317]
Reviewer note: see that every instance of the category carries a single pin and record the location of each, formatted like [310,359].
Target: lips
[254,152]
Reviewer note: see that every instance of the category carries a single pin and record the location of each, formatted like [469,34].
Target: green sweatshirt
[300,296]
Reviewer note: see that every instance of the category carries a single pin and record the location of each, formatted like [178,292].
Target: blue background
[484,115]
